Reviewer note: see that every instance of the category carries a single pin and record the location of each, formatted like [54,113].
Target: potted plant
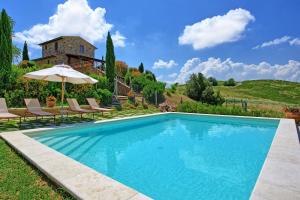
[51,101]
[292,113]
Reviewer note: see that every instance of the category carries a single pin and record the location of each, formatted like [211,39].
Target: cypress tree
[141,68]
[110,61]
[5,46]
[25,52]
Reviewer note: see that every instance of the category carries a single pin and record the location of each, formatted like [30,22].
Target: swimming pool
[173,156]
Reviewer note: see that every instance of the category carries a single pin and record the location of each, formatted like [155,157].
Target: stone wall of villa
[58,59]
[68,45]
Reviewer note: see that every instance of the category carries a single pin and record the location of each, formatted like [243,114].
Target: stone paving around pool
[280,175]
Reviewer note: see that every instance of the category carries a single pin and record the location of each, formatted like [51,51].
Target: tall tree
[25,52]
[5,46]
[195,86]
[141,68]
[110,61]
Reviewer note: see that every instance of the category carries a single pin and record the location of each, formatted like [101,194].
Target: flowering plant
[167,106]
[131,96]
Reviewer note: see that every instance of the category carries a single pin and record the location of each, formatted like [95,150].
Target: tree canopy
[213,81]
[200,89]
[121,68]
[230,82]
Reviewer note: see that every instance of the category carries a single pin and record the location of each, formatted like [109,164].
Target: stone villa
[79,54]
[70,50]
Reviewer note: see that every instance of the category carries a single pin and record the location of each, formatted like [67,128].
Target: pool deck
[280,174]
[278,179]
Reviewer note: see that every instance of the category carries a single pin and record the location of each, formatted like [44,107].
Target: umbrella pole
[62,98]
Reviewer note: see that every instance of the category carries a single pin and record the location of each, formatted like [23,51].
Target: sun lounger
[95,106]
[34,107]
[4,114]
[74,106]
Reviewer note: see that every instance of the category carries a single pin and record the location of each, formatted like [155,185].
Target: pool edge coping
[279,177]
[51,127]
[255,195]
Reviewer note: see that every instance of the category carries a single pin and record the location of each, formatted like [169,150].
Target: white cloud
[168,79]
[73,17]
[217,30]
[295,41]
[160,64]
[223,70]
[173,75]
[274,42]
[118,39]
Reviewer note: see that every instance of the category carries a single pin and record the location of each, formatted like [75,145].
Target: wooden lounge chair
[74,106]
[95,106]
[34,107]
[4,114]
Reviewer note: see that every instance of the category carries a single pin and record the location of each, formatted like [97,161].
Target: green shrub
[149,91]
[105,96]
[192,107]
[209,96]
[138,83]
[102,81]
[19,88]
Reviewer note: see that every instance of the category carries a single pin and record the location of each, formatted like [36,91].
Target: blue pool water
[173,156]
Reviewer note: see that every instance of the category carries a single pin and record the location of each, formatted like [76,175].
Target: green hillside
[268,92]
[283,92]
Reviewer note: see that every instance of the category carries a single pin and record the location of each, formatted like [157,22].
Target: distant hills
[283,92]
[267,92]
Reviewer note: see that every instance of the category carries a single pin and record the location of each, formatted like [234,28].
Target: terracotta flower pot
[293,115]
[51,103]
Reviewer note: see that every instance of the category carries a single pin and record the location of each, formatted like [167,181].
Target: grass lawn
[19,180]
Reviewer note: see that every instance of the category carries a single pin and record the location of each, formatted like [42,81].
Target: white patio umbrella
[61,73]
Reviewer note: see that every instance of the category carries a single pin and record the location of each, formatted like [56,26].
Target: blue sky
[244,39]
